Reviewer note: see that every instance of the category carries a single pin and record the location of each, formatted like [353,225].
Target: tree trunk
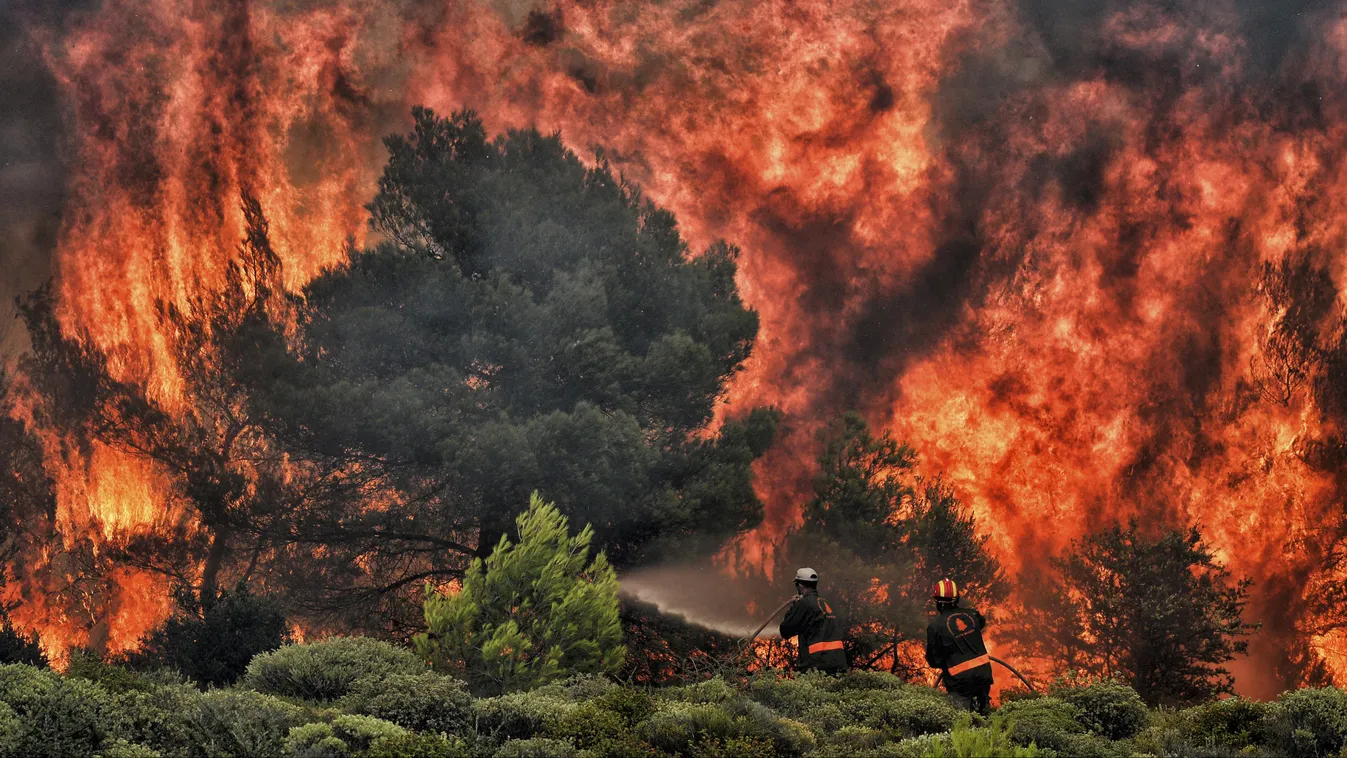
[210,572]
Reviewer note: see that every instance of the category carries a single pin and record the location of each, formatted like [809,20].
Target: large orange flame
[1037,261]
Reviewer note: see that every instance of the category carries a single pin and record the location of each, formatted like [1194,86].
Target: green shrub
[326,670]
[631,704]
[212,643]
[157,717]
[675,727]
[710,691]
[795,697]
[241,723]
[734,747]
[586,726]
[850,740]
[754,720]
[11,731]
[908,712]
[1093,746]
[587,686]
[1233,722]
[408,745]
[573,627]
[518,715]
[1048,722]
[912,747]
[60,717]
[124,749]
[1110,709]
[1307,722]
[21,685]
[359,732]
[537,747]
[424,702]
[964,741]
[113,678]
[858,680]
[314,741]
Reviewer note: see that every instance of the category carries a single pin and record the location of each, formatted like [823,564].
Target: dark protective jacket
[812,620]
[954,643]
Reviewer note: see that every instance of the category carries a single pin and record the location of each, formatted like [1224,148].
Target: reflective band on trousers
[962,667]
[819,647]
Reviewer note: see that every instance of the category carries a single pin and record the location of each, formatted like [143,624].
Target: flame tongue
[1032,246]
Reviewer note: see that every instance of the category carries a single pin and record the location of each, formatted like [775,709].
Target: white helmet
[806,575]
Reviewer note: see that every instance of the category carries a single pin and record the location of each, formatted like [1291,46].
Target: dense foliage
[882,536]
[382,714]
[528,323]
[1159,613]
[212,642]
[531,613]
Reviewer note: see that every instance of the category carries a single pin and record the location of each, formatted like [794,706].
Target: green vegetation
[1157,612]
[531,613]
[400,715]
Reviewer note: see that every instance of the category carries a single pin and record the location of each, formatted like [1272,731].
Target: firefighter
[954,644]
[812,620]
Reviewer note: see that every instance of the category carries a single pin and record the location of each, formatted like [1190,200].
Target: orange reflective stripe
[819,647]
[981,660]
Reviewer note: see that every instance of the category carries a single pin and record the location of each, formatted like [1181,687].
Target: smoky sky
[31,173]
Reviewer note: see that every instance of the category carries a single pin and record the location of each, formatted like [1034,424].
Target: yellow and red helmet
[945,589]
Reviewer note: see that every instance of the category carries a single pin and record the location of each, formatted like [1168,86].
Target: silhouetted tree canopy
[533,324]
[1156,612]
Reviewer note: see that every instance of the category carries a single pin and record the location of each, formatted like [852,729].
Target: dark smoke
[32,186]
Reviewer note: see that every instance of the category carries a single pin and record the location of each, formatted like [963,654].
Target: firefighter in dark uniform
[812,620]
[954,644]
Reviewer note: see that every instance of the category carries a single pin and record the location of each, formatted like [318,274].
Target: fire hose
[992,658]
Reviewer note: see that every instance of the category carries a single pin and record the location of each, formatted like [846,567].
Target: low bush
[793,696]
[965,741]
[326,670]
[212,643]
[241,723]
[909,712]
[850,740]
[586,726]
[1308,723]
[709,691]
[409,745]
[124,749]
[1047,722]
[11,731]
[631,704]
[314,741]
[157,717]
[518,715]
[1233,722]
[424,702]
[58,717]
[1110,709]
[537,747]
[675,727]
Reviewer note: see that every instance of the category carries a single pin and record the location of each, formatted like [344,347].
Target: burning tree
[530,324]
[1158,612]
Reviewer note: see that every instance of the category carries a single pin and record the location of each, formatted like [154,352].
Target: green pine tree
[532,613]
